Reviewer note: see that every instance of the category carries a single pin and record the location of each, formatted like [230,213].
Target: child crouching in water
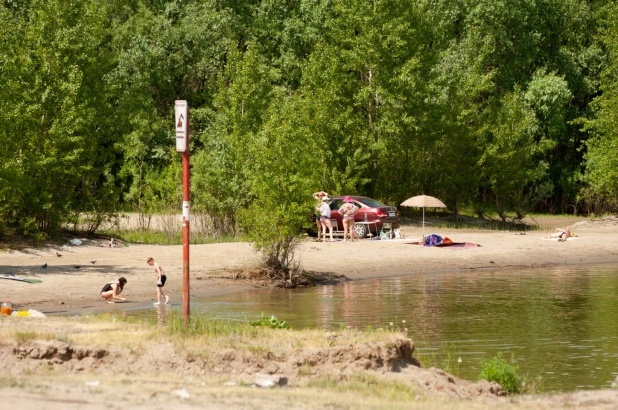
[161,278]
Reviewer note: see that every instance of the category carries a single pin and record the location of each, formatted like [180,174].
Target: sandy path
[66,290]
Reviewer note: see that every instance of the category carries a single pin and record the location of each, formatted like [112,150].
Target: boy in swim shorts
[161,278]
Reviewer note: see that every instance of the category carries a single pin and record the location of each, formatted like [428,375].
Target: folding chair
[333,222]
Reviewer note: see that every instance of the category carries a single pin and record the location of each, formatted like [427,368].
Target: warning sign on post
[181,109]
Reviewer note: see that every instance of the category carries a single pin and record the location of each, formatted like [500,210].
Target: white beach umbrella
[424,201]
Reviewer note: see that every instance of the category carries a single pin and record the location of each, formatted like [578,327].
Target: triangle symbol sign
[180,119]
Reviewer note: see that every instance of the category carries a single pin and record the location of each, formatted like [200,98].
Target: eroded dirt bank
[291,360]
[115,364]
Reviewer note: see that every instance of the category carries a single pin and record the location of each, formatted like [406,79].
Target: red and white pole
[182,145]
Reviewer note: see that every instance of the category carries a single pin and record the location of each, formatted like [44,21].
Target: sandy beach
[67,290]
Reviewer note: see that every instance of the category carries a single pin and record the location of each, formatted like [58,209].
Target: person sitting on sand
[111,291]
[561,234]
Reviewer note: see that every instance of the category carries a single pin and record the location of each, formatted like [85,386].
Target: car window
[372,203]
[358,204]
[336,204]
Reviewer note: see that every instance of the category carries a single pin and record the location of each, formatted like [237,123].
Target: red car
[371,216]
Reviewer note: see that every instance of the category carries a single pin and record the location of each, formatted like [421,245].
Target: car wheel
[361,230]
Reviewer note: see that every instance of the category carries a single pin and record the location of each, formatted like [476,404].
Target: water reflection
[162,313]
[557,323]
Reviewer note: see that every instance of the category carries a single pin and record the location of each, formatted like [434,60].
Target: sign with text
[181,109]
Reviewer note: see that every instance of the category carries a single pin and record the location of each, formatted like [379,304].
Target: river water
[559,325]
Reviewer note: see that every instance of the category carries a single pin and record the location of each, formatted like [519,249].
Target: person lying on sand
[111,291]
[561,234]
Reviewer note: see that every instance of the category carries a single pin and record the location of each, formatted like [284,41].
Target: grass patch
[367,385]
[202,326]
[204,335]
[491,221]
[10,381]
[24,336]
[448,221]
[158,237]
[531,385]
[118,328]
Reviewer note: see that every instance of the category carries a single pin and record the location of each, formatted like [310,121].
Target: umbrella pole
[423,225]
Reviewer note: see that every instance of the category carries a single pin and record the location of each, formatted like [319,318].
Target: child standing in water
[161,278]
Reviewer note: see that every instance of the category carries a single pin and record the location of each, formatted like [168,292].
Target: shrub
[499,371]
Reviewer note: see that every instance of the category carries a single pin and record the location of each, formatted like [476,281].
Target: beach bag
[432,240]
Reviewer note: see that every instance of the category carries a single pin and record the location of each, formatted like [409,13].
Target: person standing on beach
[316,213]
[161,278]
[325,218]
[348,211]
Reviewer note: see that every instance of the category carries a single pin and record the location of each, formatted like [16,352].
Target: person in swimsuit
[561,234]
[325,218]
[348,211]
[316,213]
[111,291]
[161,278]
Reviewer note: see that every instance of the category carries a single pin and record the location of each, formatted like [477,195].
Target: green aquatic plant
[500,371]
[272,323]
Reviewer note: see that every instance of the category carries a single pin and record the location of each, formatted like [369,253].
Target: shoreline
[243,287]
[66,290]
[226,286]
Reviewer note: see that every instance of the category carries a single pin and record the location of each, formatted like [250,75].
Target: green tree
[54,113]
[601,174]
[509,160]
[221,179]
[280,178]
[165,51]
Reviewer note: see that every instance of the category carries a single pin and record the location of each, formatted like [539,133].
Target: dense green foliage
[502,105]
[601,175]
[500,371]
